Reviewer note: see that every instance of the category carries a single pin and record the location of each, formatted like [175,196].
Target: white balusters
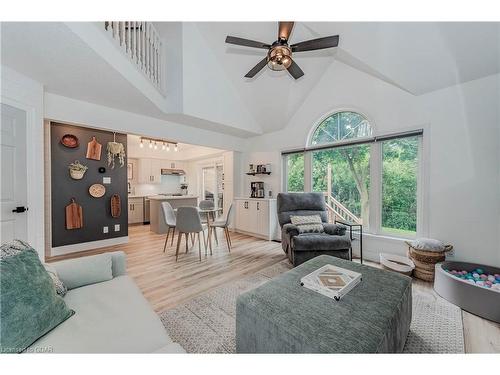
[141,43]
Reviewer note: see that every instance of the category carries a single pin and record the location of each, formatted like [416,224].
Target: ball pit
[477,277]
[473,287]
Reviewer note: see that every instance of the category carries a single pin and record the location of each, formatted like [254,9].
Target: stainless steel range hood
[174,172]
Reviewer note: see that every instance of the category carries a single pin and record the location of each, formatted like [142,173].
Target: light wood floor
[166,283]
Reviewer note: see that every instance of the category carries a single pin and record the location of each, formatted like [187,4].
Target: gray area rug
[206,324]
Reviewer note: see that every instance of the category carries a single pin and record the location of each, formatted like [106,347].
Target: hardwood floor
[166,283]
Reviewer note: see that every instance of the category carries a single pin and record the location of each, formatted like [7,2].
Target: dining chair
[224,224]
[189,222]
[208,205]
[170,221]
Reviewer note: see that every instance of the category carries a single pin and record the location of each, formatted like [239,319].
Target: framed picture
[130,171]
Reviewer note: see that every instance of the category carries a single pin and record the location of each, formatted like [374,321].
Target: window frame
[375,191]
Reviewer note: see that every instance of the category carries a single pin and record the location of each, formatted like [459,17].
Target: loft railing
[142,44]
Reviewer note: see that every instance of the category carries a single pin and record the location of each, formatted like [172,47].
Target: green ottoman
[283,317]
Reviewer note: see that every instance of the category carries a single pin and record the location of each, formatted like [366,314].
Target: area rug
[206,324]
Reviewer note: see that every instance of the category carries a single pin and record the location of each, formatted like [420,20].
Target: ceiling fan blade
[295,70]
[314,44]
[246,42]
[284,30]
[257,68]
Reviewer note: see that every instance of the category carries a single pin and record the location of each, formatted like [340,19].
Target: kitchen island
[157,221]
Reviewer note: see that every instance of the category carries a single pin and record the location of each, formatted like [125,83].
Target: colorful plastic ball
[479,270]
[483,277]
[491,278]
[471,281]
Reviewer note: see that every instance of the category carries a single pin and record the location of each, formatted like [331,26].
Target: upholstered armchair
[300,246]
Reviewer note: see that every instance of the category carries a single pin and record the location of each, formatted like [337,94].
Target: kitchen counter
[156,218]
[171,197]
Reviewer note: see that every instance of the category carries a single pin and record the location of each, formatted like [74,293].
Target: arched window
[337,162]
[341,126]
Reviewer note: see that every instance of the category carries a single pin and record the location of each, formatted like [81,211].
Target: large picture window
[366,179]
[295,173]
[399,185]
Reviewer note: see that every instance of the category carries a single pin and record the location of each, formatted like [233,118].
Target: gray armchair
[302,247]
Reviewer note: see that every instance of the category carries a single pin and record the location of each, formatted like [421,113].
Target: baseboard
[68,249]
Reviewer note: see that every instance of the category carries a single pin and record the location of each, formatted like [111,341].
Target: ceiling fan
[279,55]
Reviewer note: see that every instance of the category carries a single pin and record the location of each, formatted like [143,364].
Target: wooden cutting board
[116,206]
[74,215]
[94,150]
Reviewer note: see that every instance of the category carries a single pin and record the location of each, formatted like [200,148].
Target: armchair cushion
[320,242]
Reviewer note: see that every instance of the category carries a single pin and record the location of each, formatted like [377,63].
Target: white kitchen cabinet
[257,217]
[150,171]
[135,210]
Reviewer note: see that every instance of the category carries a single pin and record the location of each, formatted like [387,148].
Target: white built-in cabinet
[257,217]
[135,210]
[149,171]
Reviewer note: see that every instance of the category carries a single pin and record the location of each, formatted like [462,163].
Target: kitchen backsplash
[169,184]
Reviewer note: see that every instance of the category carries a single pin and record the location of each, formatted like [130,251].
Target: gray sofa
[111,316]
[302,247]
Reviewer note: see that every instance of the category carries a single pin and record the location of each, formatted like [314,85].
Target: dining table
[210,214]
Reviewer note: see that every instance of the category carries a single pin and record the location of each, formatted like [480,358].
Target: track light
[141,145]
[168,146]
[156,147]
[150,144]
[176,149]
[163,147]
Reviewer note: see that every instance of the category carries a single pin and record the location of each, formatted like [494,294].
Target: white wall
[461,152]
[69,110]
[21,92]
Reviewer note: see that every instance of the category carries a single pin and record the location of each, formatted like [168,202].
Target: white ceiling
[185,151]
[416,57]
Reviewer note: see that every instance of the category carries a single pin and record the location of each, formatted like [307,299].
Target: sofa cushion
[320,241]
[307,223]
[111,317]
[86,270]
[29,305]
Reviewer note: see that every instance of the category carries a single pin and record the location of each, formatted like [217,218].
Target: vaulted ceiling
[416,57]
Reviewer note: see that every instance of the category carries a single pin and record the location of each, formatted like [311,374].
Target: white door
[13,192]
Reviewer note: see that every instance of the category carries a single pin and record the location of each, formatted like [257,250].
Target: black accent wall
[96,211]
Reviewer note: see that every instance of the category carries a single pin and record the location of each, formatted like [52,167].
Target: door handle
[258,206]
[20,209]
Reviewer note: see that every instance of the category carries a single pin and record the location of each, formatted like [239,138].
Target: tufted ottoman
[283,317]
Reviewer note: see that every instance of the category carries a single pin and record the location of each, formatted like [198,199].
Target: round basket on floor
[397,263]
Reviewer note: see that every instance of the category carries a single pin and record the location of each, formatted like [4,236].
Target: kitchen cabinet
[135,210]
[150,171]
[172,164]
[257,217]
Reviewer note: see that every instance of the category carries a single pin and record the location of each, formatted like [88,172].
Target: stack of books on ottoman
[331,281]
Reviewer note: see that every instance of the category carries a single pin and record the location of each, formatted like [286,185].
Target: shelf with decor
[257,173]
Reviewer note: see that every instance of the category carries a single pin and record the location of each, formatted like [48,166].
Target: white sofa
[110,316]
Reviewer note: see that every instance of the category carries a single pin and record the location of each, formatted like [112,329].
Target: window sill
[389,237]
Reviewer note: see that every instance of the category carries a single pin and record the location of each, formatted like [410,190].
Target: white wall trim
[67,249]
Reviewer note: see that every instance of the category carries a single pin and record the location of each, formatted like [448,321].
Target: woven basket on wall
[425,260]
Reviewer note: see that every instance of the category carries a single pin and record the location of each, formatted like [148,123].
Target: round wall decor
[102,170]
[97,190]
[70,141]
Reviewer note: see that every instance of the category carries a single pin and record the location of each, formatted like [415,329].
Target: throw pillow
[308,224]
[29,305]
[428,244]
[58,284]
